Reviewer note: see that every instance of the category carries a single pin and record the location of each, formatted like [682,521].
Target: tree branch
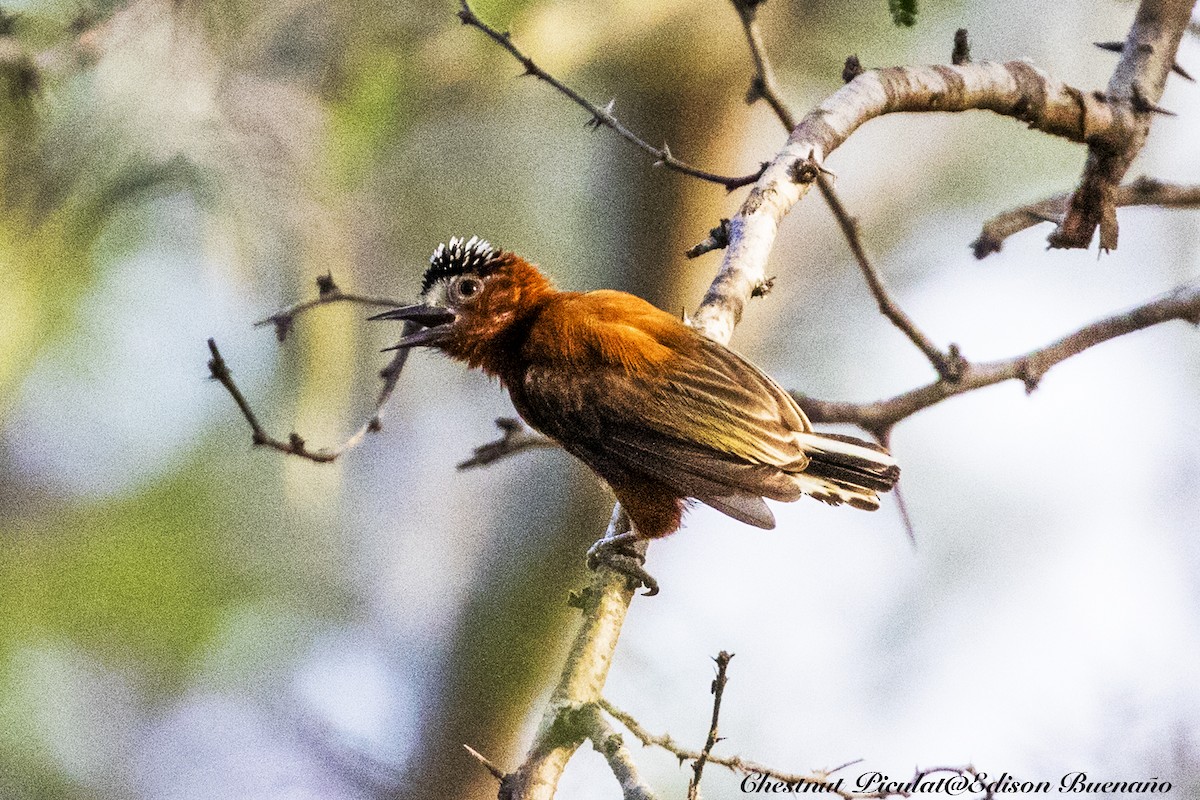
[1141,192]
[604,604]
[1137,84]
[1014,88]
[819,781]
[601,116]
[327,293]
[1183,304]
[516,438]
[762,85]
[611,745]
[949,364]
[718,691]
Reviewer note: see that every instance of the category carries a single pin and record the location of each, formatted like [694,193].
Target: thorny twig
[1141,192]
[949,364]
[327,292]
[718,692]
[516,438]
[601,116]
[820,780]
[1181,304]
[763,85]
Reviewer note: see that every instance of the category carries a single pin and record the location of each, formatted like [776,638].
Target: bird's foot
[625,554]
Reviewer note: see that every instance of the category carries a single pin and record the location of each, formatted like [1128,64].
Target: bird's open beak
[434,325]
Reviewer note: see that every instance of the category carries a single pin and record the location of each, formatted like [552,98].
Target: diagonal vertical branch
[1137,83]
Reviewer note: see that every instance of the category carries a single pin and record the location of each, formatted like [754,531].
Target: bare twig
[763,84]
[1137,83]
[1181,304]
[327,293]
[1141,192]
[948,364]
[516,438]
[718,691]
[601,116]
[819,781]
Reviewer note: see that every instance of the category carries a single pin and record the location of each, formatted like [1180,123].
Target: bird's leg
[624,553]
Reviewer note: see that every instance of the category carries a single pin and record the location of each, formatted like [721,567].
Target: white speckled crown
[456,257]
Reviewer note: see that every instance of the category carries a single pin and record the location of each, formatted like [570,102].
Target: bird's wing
[643,396]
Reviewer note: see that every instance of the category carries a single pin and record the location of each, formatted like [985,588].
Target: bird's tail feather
[843,469]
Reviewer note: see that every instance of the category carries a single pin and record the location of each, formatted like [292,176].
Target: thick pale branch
[1137,83]
[611,745]
[1141,192]
[1014,88]
[604,605]
[879,417]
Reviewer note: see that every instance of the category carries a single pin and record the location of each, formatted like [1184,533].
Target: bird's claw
[624,557]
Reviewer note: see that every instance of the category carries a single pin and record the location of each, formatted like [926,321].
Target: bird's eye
[468,287]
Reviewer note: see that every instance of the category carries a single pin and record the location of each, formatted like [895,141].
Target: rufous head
[472,296]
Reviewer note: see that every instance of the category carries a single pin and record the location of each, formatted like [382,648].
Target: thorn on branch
[756,91]
[495,771]
[1142,104]
[1119,47]
[1028,376]
[805,170]
[600,119]
[763,287]
[283,326]
[718,239]
[954,364]
[962,48]
[326,286]
[851,69]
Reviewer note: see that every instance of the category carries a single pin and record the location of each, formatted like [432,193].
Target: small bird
[657,410]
